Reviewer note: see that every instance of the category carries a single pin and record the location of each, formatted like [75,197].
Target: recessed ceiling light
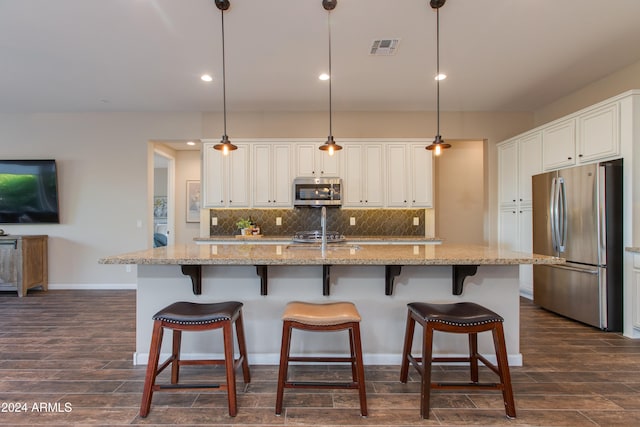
[206,78]
[324,76]
[191,143]
[441,76]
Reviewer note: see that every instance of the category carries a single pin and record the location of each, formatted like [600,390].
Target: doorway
[163,199]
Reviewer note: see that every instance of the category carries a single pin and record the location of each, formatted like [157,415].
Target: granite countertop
[336,254]
[635,249]
[287,238]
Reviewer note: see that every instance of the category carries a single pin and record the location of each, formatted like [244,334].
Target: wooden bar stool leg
[425,385]
[152,367]
[229,366]
[473,356]
[503,368]
[360,369]
[408,342]
[352,348]
[284,364]
[175,356]
[242,347]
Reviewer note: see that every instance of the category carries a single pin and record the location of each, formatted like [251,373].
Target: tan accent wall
[460,195]
[614,84]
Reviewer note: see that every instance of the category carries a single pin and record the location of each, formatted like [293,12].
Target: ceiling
[148,55]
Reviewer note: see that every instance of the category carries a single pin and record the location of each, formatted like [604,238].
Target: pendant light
[438,143]
[225,145]
[330,146]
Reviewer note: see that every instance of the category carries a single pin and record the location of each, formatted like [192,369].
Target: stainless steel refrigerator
[577,215]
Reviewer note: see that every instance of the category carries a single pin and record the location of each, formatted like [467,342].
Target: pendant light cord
[438,70]
[224,80]
[330,76]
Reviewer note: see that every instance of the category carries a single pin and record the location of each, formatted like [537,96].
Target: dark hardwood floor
[66,358]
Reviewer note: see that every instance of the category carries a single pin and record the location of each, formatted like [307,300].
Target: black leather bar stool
[328,317]
[189,316]
[460,318]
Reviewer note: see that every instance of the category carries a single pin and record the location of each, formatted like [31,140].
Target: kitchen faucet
[323,224]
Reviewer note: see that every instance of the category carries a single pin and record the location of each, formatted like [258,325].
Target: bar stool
[189,316]
[459,318]
[327,317]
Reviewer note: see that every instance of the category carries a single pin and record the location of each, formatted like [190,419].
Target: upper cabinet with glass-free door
[225,179]
[272,185]
[364,175]
[311,162]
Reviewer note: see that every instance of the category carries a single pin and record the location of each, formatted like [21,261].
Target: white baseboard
[274,359]
[94,286]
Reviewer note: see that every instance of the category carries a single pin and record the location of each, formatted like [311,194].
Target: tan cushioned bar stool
[189,316]
[335,316]
[459,318]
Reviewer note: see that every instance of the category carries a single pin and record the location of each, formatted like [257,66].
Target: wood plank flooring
[66,359]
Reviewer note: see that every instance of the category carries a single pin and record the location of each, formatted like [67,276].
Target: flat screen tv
[28,192]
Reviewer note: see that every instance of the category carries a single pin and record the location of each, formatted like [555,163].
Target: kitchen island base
[383,316]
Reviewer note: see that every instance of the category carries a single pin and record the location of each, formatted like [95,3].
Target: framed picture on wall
[193,201]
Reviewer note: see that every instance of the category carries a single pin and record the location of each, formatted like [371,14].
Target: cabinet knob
[321,172]
[569,158]
[413,201]
[579,155]
[513,200]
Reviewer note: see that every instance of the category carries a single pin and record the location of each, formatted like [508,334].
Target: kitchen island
[380,279]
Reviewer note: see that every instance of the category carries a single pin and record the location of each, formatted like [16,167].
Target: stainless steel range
[316,237]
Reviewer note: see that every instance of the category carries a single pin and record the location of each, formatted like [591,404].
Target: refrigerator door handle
[553,214]
[580,270]
[562,229]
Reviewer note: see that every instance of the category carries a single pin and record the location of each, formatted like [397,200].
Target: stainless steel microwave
[317,192]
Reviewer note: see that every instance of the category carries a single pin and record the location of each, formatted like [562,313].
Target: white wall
[187,169]
[103,180]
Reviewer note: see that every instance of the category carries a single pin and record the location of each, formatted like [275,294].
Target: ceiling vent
[384,47]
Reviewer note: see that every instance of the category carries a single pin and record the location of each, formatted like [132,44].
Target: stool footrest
[321,359]
[311,384]
[189,386]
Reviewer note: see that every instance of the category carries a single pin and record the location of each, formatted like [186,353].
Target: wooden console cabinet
[23,263]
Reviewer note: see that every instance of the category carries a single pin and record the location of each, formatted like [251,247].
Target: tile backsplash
[368,222]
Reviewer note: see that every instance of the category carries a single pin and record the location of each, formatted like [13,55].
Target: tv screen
[28,191]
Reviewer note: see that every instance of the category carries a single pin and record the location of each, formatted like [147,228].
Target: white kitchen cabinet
[398,176]
[518,160]
[598,134]
[508,228]
[363,175]
[525,244]
[508,173]
[559,145]
[421,178]
[310,161]
[225,179]
[529,164]
[515,227]
[272,185]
